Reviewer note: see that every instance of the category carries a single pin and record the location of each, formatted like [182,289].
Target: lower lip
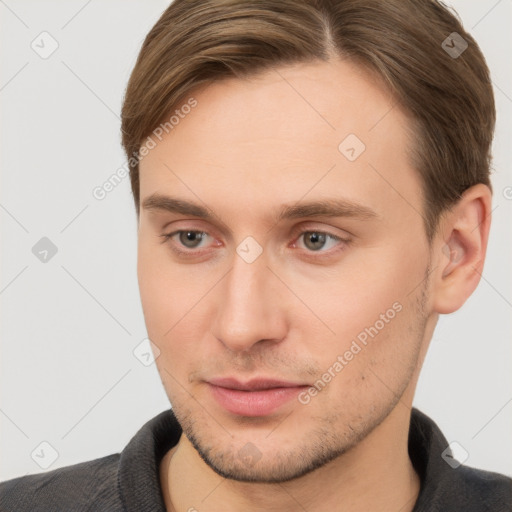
[254,403]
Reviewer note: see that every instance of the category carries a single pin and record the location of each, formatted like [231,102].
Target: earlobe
[461,245]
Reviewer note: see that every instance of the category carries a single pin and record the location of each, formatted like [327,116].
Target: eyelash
[296,236]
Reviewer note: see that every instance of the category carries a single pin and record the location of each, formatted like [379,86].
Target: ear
[459,249]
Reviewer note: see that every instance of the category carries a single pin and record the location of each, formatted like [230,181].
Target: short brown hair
[449,97]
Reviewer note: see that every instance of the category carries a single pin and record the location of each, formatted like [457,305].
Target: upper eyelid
[295,231]
[300,230]
[210,232]
[304,226]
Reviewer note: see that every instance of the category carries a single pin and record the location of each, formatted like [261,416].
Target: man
[311,196]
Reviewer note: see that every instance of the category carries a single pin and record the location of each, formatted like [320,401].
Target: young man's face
[338,299]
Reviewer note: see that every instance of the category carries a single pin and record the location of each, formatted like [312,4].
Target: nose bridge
[247,309]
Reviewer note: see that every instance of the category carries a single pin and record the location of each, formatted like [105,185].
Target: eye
[318,240]
[190,239]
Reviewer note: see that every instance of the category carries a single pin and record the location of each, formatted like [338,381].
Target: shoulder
[447,485]
[112,483]
[90,485]
[488,490]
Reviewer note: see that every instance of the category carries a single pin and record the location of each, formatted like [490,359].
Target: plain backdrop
[69,326]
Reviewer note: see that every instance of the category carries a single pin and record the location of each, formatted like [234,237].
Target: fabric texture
[129,481]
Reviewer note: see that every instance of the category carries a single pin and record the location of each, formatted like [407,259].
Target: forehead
[287,132]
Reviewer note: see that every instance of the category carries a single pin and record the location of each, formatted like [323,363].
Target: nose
[250,308]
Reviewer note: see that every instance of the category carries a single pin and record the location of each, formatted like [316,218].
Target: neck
[375,475]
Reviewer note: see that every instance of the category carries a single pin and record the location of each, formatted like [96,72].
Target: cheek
[175,304]
[163,305]
[351,295]
[369,306]
[152,285]
[162,293]
[167,290]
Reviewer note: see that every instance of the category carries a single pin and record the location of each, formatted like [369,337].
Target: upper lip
[253,384]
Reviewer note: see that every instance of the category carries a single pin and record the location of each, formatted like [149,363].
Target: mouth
[258,397]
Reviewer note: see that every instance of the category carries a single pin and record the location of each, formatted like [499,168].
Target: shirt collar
[139,473]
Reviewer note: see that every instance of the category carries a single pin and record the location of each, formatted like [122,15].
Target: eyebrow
[331,207]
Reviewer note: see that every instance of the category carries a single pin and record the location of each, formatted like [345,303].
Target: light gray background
[69,326]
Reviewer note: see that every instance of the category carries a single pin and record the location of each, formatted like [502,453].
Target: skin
[249,148]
